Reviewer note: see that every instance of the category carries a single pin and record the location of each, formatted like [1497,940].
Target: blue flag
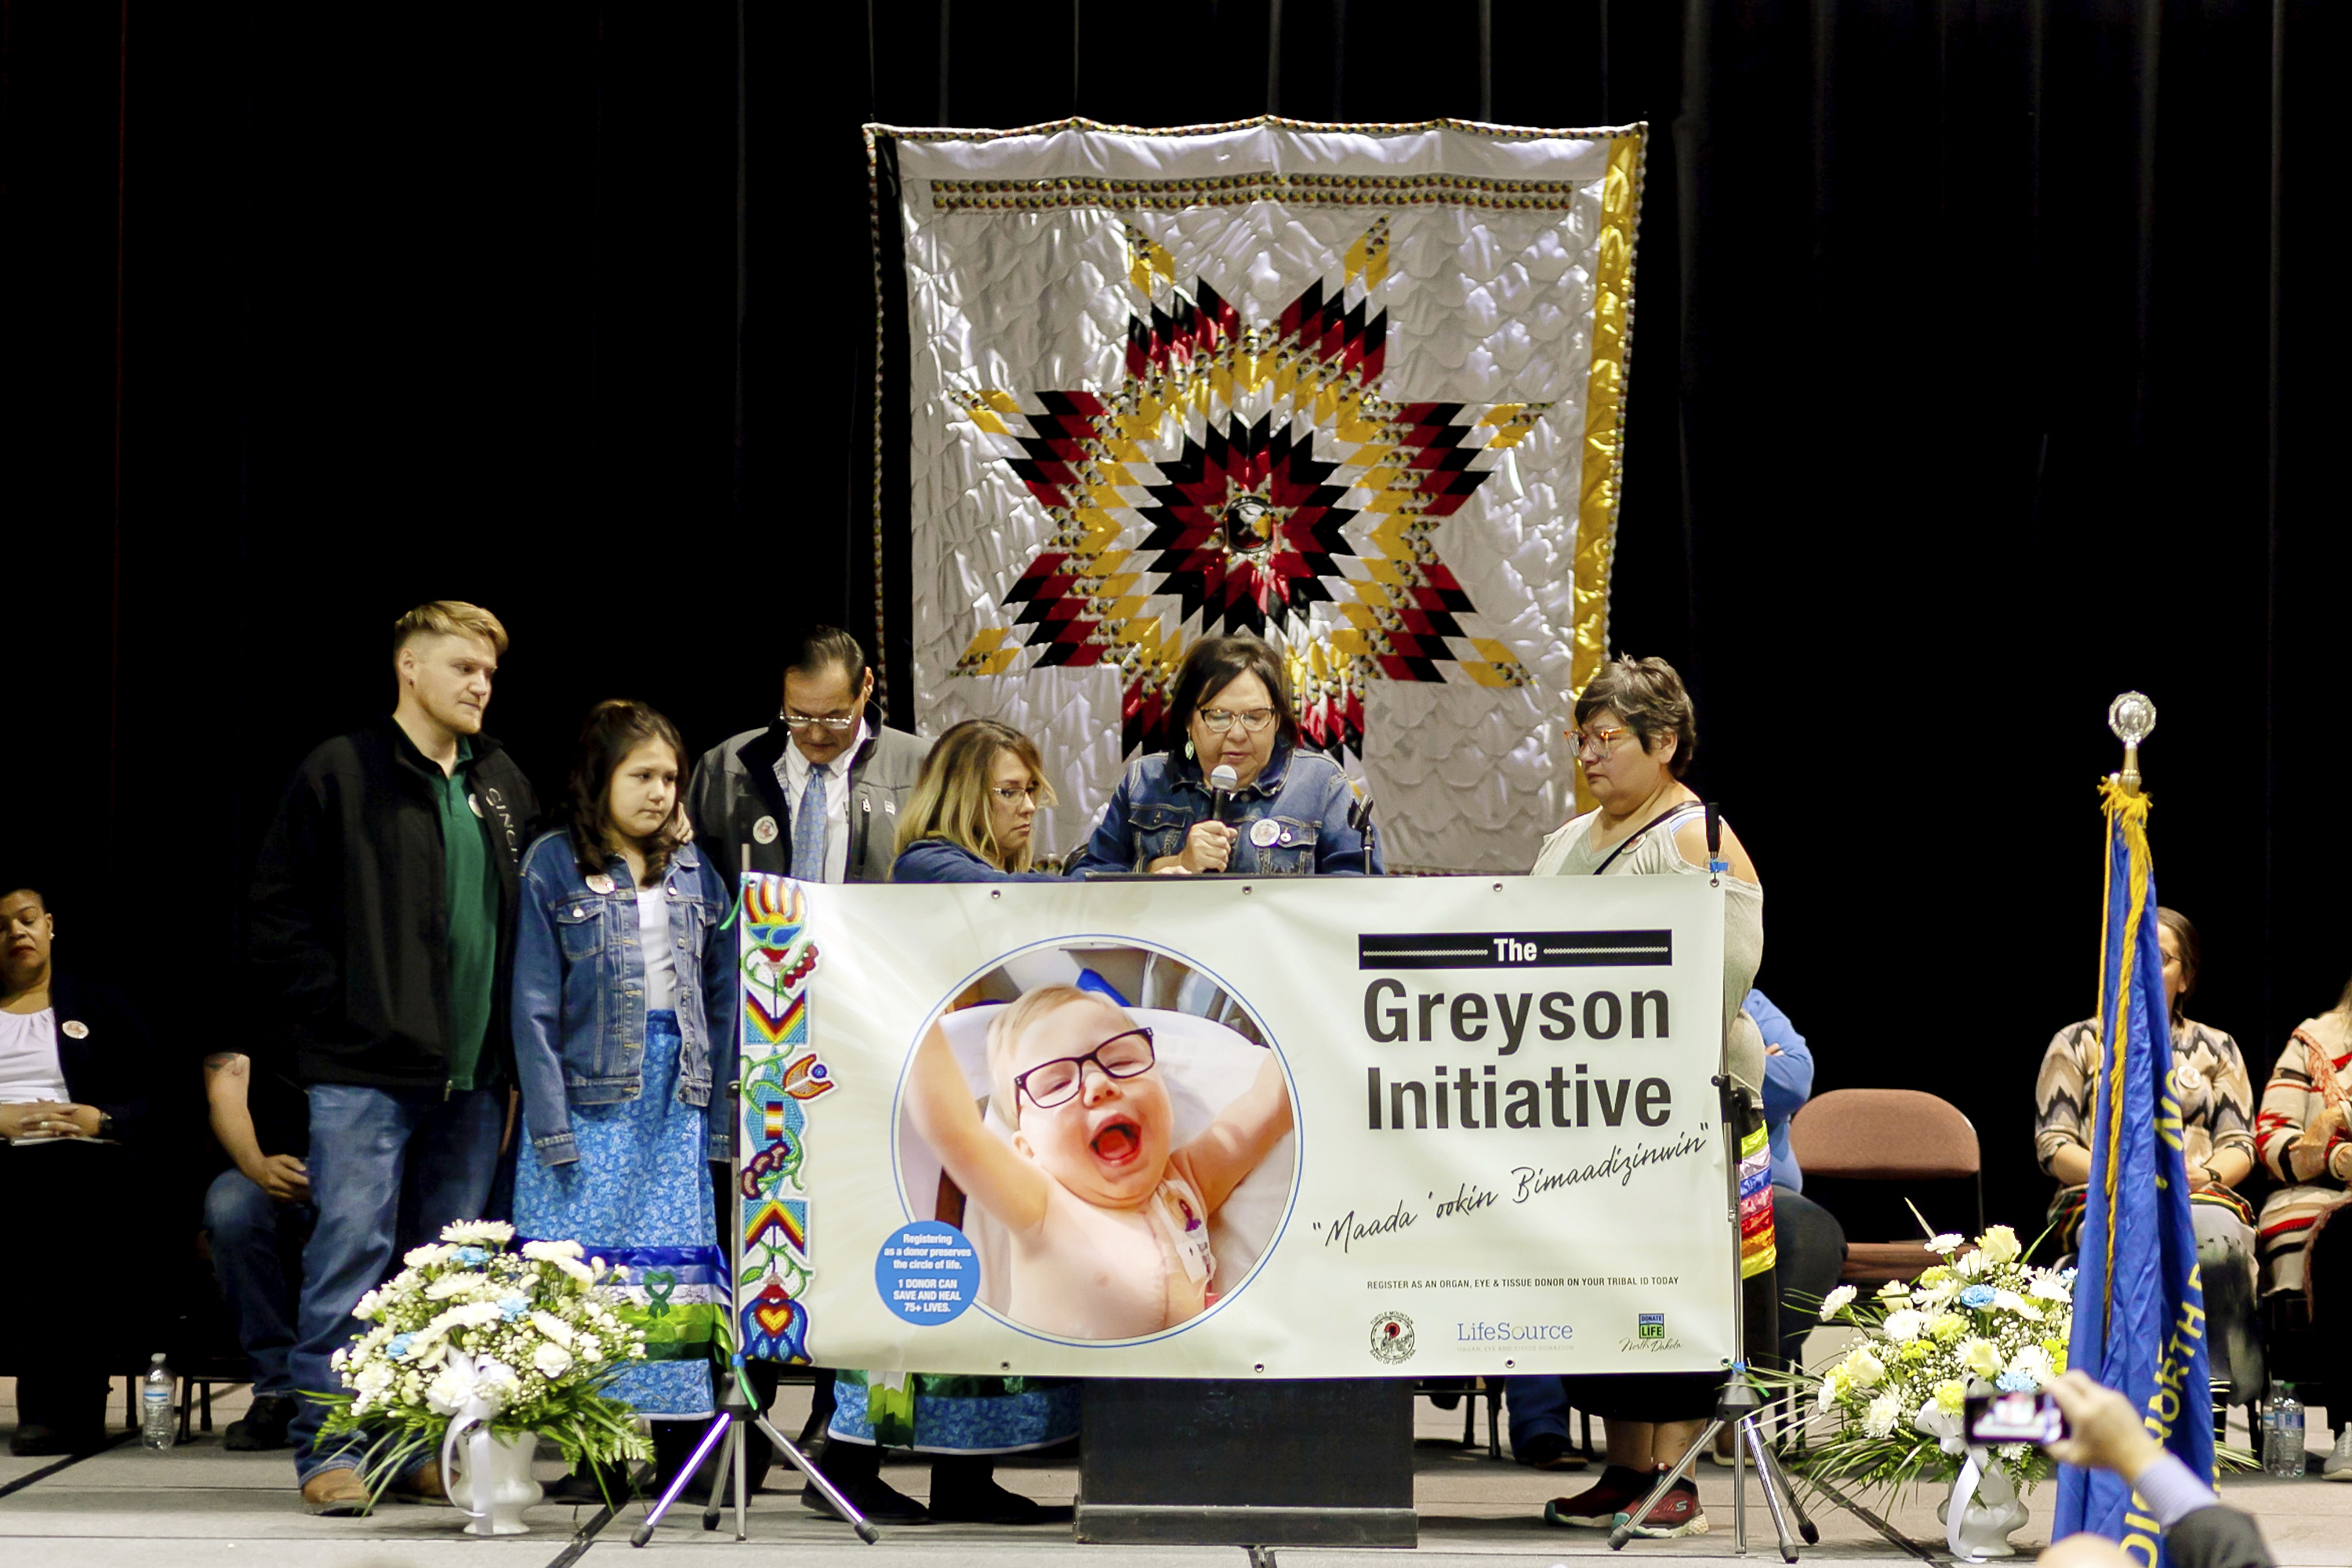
[2139,1308]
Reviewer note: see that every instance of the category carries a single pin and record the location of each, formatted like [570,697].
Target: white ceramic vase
[1980,1513]
[492,1478]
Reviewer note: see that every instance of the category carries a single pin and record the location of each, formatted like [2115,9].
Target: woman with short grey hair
[1633,738]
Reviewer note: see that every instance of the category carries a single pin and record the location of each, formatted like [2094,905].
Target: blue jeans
[1537,1406]
[389,1167]
[242,1222]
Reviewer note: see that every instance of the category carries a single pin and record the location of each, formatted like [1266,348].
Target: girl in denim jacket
[623,1016]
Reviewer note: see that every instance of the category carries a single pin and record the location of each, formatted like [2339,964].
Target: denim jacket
[1304,795]
[579,993]
[938,861]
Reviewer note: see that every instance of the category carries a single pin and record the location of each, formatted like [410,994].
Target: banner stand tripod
[1738,1407]
[736,1416]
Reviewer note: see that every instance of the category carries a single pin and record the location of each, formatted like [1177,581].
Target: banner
[2139,1305]
[1304,1127]
[1356,389]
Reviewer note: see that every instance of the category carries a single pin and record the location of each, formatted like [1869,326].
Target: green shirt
[471,891]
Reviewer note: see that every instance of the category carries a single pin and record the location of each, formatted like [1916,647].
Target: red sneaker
[1675,1515]
[1598,1507]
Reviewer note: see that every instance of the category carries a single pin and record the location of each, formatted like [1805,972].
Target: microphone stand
[736,1412]
[1738,1404]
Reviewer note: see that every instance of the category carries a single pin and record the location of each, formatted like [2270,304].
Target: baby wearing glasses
[1109,1226]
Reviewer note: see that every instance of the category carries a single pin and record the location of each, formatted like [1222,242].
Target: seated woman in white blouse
[74,1066]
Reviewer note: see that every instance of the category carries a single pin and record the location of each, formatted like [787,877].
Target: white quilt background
[1484,306]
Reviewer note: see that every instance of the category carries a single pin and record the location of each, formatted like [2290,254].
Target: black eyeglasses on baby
[1053,1083]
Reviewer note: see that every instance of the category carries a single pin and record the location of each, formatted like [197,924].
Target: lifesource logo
[1391,1338]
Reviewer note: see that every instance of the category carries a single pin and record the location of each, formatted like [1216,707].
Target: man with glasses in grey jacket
[816,793]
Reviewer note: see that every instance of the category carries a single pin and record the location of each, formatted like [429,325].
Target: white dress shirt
[793,772]
[29,1068]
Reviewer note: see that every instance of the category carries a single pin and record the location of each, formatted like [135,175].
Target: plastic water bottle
[2283,1433]
[155,1417]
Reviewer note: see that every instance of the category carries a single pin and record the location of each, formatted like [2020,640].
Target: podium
[1266,1462]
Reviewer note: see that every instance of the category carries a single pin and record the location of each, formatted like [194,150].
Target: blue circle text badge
[927,1272]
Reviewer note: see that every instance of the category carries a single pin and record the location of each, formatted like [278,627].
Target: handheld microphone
[1222,782]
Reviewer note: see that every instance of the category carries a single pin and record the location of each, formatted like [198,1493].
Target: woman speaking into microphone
[1240,795]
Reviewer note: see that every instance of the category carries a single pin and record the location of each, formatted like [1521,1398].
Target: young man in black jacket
[382,920]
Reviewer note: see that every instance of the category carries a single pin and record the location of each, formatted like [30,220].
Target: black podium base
[1304,1462]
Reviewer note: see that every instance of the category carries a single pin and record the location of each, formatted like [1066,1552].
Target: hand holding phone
[2107,1431]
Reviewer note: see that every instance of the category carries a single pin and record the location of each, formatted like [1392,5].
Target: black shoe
[964,1491]
[880,1501]
[597,1485]
[1546,1451]
[31,1440]
[987,1503]
[262,1426]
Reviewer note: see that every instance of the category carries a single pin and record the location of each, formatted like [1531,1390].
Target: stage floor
[216,1508]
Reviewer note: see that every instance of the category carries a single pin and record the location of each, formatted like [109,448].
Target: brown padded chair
[1886,1135]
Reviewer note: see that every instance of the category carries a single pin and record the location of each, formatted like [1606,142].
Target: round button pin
[600,883]
[764,830]
[75,1029]
[1265,832]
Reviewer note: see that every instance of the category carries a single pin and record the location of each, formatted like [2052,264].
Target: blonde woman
[974,804]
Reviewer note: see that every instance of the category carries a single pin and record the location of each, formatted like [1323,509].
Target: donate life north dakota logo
[1650,1326]
[1391,1338]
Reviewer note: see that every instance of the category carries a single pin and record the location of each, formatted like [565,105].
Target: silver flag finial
[2133,719]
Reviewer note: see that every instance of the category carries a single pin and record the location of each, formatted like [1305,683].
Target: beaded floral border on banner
[780,1077]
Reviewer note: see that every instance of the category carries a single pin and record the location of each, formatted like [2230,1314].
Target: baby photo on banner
[1109,1205]
[1356,389]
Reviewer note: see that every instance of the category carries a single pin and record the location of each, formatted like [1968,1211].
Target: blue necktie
[808,830]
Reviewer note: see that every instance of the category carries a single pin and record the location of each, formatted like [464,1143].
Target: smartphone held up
[1994,1416]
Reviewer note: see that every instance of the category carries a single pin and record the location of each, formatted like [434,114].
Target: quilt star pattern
[1355,390]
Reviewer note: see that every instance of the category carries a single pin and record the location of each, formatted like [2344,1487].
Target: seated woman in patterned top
[2217,1107]
[2306,1243]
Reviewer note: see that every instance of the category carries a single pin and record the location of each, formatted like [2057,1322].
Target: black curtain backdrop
[1977,377]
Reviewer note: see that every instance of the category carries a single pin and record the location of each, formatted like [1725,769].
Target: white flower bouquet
[471,1323]
[1896,1398]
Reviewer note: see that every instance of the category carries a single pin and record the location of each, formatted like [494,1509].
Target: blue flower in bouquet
[512,1307]
[472,1256]
[2015,1382]
[1976,1295]
[399,1345]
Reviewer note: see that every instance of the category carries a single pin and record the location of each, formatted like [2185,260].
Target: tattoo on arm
[225,1061]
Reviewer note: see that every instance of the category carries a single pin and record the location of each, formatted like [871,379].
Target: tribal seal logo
[1391,1338]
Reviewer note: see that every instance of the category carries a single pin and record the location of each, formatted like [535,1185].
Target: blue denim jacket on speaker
[580,996]
[1304,794]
